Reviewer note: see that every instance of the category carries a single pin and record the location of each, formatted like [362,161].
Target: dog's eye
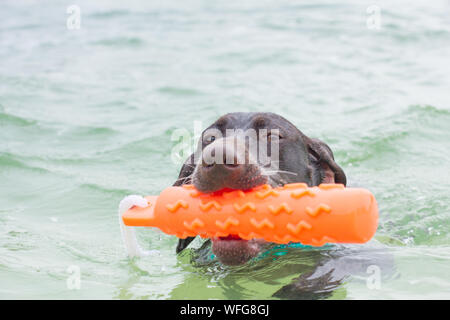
[209,139]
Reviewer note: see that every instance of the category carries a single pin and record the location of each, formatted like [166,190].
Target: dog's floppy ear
[322,156]
[186,172]
[185,178]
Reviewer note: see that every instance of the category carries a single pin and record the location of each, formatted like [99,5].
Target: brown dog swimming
[218,164]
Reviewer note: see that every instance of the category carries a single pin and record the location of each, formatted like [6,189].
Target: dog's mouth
[220,177]
[231,237]
[233,250]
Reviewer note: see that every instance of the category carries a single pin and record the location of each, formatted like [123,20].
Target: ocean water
[87,116]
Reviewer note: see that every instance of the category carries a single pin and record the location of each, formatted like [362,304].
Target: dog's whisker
[267,173]
[276,182]
[282,171]
[184,178]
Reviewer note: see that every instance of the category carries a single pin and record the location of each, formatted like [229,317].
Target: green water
[87,115]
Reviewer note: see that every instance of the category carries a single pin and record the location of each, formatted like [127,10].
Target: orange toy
[329,213]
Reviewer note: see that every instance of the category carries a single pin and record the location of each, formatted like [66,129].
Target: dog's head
[243,150]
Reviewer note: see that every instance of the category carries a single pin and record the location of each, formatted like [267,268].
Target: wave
[427,109]
[93,131]
[178,91]
[121,42]
[6,118]
[8,160]
[21,121]
[391,133]
[110,14]
[115,192]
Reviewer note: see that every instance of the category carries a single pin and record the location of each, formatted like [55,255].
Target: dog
[299,159]
[225,159]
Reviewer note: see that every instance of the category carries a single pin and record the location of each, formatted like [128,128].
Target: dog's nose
[221,166]
[226,162]
[224,165]
[220,174]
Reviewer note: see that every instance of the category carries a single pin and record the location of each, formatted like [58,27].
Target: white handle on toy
[128,235]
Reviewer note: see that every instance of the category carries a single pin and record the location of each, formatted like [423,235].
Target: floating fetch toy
[329,213]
